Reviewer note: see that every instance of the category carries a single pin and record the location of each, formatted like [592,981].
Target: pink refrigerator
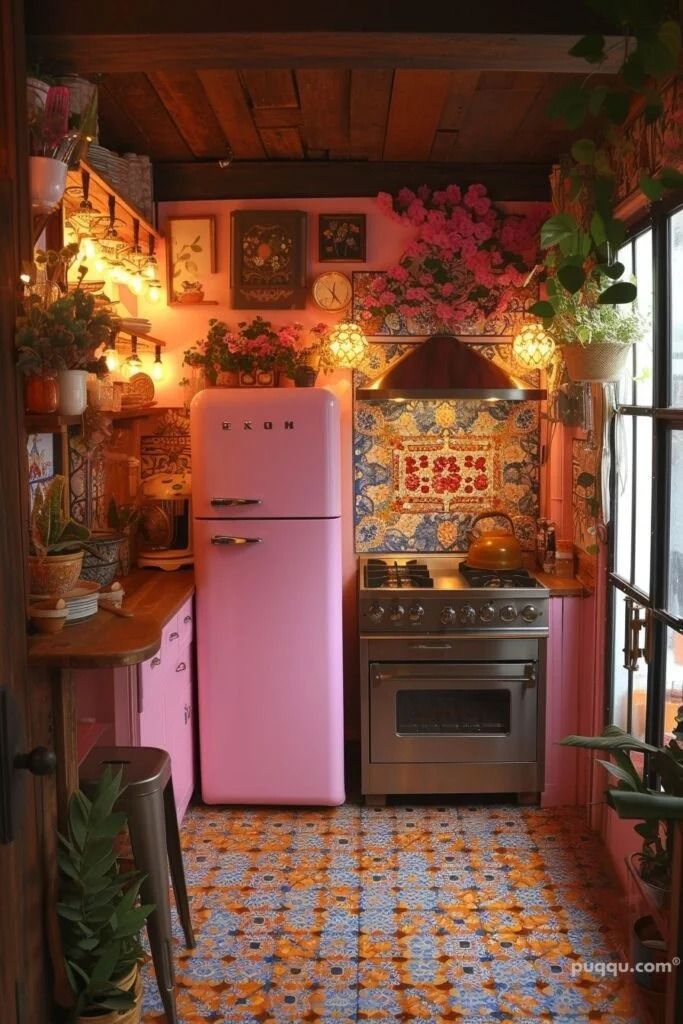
[267,540]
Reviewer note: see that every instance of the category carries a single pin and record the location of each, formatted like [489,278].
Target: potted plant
[56,140]
[655,809]
[57,542]
[100,922]
[192,293]
[63,334]
[122,519]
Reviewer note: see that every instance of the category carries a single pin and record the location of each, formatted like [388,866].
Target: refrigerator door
[269,661]
[265,453]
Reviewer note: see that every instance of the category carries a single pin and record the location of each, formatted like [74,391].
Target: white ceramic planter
[73,393]
[48,181]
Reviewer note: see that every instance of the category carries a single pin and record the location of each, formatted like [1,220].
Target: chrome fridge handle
[221,539]
[231,502]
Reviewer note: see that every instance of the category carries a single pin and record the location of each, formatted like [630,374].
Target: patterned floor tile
[397,914]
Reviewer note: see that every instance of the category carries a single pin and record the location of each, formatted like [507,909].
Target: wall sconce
[345,346]
[133,363]
[533,348]
[157,366]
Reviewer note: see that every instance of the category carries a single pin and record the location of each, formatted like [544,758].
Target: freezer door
[269,659]
[265,452]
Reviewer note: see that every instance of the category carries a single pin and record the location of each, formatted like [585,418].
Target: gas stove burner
[379,573]
[501,578]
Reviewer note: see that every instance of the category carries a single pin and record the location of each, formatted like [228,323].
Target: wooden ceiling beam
[90,53]
[277,179]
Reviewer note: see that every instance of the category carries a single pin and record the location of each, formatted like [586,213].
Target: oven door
[471,712]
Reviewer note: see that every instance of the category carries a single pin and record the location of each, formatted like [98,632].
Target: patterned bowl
[54,574]
[103,564]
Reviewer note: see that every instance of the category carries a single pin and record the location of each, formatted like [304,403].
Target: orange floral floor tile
[475,915]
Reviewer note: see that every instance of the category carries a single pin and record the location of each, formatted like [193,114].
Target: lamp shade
[533,348]
[345,346]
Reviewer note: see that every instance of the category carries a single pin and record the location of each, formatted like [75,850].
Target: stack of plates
[81,602]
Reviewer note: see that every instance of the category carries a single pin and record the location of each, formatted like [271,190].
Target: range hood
[446,367]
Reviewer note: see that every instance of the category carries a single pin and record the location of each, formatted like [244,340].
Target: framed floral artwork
[341,238]
[268,267]
[191,258]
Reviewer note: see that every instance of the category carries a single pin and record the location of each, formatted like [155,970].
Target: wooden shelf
[49,423]
[659,914]
[100,190]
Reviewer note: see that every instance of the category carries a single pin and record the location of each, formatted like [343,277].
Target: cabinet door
[180,728]
[152,677]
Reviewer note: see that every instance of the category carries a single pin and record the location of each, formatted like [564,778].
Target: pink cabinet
[563,687]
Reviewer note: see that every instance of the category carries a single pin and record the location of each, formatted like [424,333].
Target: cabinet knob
[155,662]
[188,618]
[173,636]
[181,667]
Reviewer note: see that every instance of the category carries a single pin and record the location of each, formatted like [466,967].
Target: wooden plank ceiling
[332,114]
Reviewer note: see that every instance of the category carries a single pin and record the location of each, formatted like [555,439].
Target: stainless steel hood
[446,367]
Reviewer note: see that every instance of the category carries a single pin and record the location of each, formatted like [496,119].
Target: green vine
[582,240]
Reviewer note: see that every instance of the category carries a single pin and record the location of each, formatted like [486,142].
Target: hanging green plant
[583,237]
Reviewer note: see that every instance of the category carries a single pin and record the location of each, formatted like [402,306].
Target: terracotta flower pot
[600,363]
[41,393]
[54,574]
[189,298]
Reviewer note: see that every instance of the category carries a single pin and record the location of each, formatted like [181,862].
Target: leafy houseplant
[584,235]
[99,920]
[633,798]
[57,542]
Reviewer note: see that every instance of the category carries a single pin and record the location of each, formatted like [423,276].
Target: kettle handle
[493,514]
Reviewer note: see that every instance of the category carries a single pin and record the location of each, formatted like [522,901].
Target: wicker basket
[131,1016]
[600,363]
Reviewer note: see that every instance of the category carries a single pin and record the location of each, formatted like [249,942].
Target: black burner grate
[501,578]
[379,573]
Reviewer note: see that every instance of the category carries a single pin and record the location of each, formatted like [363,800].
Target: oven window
[453,712]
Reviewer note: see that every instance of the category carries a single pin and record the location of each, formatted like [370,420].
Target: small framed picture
[191,258]
[341,238]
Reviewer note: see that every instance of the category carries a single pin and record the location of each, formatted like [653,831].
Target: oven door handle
[430,647]
[220,538]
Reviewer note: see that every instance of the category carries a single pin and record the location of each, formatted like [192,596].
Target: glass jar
[41,393]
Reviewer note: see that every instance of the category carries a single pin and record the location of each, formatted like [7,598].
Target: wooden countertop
[106,640]
[561,586]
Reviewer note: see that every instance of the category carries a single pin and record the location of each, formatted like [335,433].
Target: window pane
[624,496]
[626,387]
[639,693]
[673,693]
[641,576]
[675,602]
[675,277]
[619,673]
[643,348]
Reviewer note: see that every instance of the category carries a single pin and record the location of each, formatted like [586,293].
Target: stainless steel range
[452,678]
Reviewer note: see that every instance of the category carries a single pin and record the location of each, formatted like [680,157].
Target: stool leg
[175,858]
[148,839]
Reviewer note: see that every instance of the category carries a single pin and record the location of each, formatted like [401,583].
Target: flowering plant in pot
[63,334]
[100,920]
[57,542]
[655,809]
[57,138]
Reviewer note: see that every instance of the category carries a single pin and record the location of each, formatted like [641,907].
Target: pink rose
[387,298]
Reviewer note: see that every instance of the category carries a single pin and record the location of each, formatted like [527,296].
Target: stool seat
[143,769]
[153,828]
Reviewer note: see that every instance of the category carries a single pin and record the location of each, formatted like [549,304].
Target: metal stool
[153,827]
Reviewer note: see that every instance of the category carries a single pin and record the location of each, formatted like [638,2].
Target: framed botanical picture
[341,238]
[268,266]
[191,258]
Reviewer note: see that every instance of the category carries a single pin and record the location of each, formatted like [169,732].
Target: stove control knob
[530,613]
[487,613]
[468,615]
[396,612]
[508,613]
[448,616]
[375,613]
[416,613]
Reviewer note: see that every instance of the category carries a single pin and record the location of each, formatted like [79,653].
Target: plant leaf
[671,177]
[618,294]
[651,188]
[583,151]
[571,277]
[557,228]
[616,104]
[543,309]
[647,806]
[614,270]
[591,47]
[597,228]
[618,773]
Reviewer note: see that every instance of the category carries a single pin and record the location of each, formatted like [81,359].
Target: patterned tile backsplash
[424,469]
[165,443]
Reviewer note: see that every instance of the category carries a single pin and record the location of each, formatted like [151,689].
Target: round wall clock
[332,291]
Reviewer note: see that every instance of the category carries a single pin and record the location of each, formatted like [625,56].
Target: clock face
[332,291]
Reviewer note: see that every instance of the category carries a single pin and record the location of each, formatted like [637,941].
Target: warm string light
[345,346]
[157,370]
[111,356]
[133,363]
[154,290]
[533,348]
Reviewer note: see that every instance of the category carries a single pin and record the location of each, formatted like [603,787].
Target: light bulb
[118,273]
[154,290]
[101,264]
[112,360]
[136,284]
[25,278]
[88,247]
[345,346]
[133,364]
[150,268]
[157,370]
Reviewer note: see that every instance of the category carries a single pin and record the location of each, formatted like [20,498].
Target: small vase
[41,394]
[73,393]
[305,377]
[48,181]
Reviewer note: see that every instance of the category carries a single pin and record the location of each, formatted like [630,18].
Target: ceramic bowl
[102,563]
[54,574]
[47,616]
